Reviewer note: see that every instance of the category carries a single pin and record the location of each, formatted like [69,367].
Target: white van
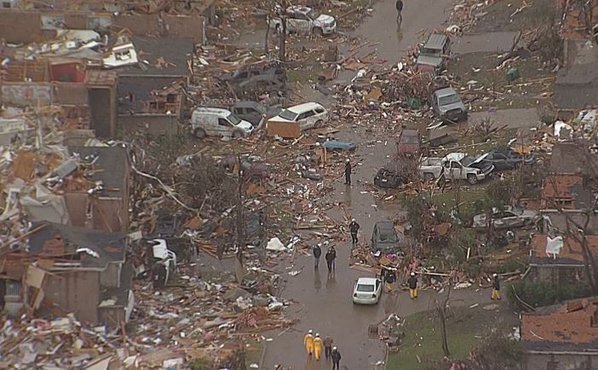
[218,122]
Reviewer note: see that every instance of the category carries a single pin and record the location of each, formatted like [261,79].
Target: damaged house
[62,269]
[151,92]
[559,259]
[87,186]
[564,336]
[87,98]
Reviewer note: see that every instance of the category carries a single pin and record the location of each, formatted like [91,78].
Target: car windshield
[365,288]
[448,99]
[468,160]
[313,14]
[288,115]
[387,237]
[432,52]
[233,119]
[408,139]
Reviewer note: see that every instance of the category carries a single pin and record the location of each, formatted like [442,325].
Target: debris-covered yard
[169,169]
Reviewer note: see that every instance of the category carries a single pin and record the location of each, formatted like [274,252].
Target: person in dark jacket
[336,359]
[328,347]
[412,281]
[354,229]
[348,172]
[330,257]
[399,6]
[317,251]
[495,288]
[389,280]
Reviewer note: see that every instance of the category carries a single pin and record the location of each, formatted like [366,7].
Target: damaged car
[164,263]
[253,167]
[254,112]
[303,19]
[432,55]
[388,178]
[448,106]
[506,218]
[505,159]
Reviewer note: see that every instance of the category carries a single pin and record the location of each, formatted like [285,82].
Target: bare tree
[441,309]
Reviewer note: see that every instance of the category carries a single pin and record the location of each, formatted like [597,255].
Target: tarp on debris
[554,246]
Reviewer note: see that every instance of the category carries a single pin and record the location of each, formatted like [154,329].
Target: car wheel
[199,133]
[278,28]
[237,134]
[318,123]
[318,31]
[472,179]
[429,177]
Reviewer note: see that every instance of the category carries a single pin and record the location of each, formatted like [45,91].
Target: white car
[367,291]
[218,122]
[303,19]
[308,115]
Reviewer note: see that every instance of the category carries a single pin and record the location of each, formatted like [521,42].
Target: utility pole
[239,269]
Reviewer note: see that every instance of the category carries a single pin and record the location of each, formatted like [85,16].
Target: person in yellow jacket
[308,341]
[317,346]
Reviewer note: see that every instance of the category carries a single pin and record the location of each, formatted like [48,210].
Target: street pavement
[324,304]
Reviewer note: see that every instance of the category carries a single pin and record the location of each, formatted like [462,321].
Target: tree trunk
[267,38]
[283,40]
[442,315]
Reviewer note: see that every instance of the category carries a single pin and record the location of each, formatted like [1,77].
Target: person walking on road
[348,172]
[308,342]
[354,229]
[495,288]
[412,281]
[317,347]
[389,280]
[317,251]
[399,6]
[330,257]
[328,347]
[336,359]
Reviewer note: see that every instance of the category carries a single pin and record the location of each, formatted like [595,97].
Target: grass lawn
[422,346]
[467,197]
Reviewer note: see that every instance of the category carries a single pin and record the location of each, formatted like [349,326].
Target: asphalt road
[324,305]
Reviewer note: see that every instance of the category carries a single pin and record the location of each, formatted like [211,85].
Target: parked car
[367,290]
[452,168]
[389,179]
[335,144]
[308,115]
[506,218]
[218,122]
[249,71]
[254,112]
[478,162]
[303,19]
[385,237]
[432,56]
[253,166]
[409,142]
[448,106]
[505,159]
[260,85]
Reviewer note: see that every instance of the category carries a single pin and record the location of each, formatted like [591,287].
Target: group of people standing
[314,344]
[330,257]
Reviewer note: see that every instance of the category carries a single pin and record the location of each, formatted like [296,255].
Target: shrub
[539,294]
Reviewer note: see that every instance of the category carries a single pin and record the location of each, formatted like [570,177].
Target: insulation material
[554,246]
